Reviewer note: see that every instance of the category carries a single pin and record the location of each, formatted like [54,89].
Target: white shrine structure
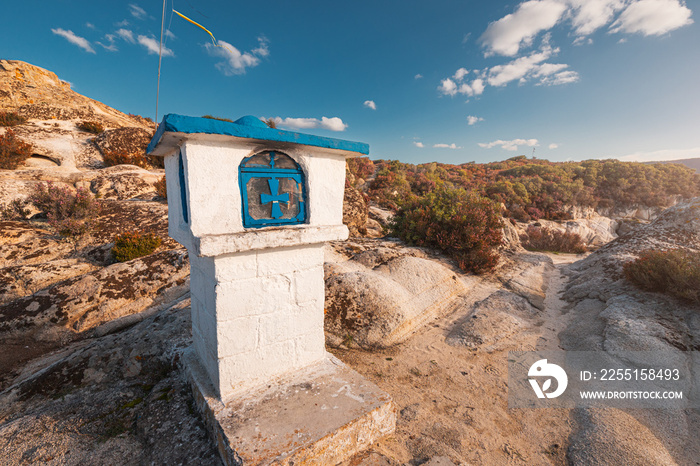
[254,206]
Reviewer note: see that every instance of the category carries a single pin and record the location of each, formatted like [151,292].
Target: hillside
[690,163]
[39,94]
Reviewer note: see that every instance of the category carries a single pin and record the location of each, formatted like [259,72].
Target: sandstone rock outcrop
[610,314]
[39,94]
[379,296]
[118,399]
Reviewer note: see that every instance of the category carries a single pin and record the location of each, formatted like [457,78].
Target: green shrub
[68,213]
[462,224]
[161,188]
[546,239]
[13,151]
[128,246]
[11,119]
[675,272]
[94,127]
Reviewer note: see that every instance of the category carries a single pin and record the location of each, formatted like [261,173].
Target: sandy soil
[453,400]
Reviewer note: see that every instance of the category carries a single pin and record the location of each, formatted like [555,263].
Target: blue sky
[449,81]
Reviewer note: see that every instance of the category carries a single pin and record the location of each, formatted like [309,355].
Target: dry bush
[94,127]
[139,159]
[13,151]
[11,119]
[545,239]
[161,188]
[131,245]
[69,213]
[675,272]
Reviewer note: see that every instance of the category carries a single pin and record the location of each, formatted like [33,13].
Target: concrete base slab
[320,415]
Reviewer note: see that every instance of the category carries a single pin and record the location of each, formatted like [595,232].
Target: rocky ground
[90,349]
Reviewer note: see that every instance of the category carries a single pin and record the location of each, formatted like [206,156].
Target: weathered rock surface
[494,323]
[610,314]
[128,140]
[119,399]
[379,296]
[611,436]
[525,277]
[123,182]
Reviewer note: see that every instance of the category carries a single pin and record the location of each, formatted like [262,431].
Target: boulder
[381,296]
[123,182]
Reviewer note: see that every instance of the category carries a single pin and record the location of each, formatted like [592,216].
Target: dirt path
[556,317]
[453,400]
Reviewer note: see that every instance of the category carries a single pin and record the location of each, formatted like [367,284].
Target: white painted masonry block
[254,206]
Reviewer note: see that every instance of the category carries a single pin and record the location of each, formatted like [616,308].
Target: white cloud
[460,74]
[588,16]
[507,35]
[137,12]
[472,120]
[90,25]
[370,104]
[418,76]
[153,46]
[331,124]
[127,35]
[110,46]
[513,32]
[448,87]
[73,39]
[532,67]
[553,145]
[122,24]
[510,145]
[418,144]
[169,34]
[236,62]
[446,146]
[652,17]
[662,155]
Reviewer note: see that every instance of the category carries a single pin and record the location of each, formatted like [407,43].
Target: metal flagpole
[160,59]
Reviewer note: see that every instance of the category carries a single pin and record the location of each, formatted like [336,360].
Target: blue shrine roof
[248,127]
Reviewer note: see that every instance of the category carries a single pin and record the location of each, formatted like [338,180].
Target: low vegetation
[462,224]
[161,188]
[13,151]
[15,210]
[69,212]
[211,117]
[675,272]
[548,239]
[531,189]
[11,119]
[94,127]
[131,245]
[140,159]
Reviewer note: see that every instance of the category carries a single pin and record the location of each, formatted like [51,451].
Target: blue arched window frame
[273,174]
